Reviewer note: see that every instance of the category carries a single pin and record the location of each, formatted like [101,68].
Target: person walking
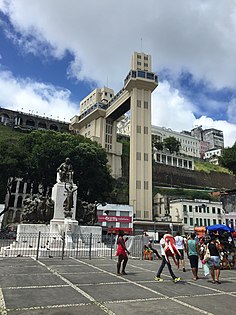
[192,251]
[122,253]
[163,263]
[180,245]
[214,261]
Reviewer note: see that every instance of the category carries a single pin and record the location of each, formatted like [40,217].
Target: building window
[138,103]
[138,129]
[191,221]
[138,155]
[218,210]
[138,184]
[208,210]
[145,130]
[197,222]
[190,208]
[13,187]
[21,187]
[209,221]
[196,208]
[205,222]
[214,221]
[214,211]
[185,208]
[200,221]
[19,202]
[185,220]
[145,104]
[145,156]
[219,221]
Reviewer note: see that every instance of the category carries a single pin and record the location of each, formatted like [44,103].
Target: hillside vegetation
[6,133]
[185,193]
[208,167]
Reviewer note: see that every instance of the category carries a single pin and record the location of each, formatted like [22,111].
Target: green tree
[36,157]
[156,143]
[228,158]
[172,144]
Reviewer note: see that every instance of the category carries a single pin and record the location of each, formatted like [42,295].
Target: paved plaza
[81,286]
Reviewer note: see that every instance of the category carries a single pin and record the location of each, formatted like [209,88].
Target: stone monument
[64,195]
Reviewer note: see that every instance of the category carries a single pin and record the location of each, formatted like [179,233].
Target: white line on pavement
[146,288]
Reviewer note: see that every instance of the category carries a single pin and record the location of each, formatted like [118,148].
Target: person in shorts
[192,251]
[180,245]
[214,262]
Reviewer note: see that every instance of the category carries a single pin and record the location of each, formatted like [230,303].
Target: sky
[53,53]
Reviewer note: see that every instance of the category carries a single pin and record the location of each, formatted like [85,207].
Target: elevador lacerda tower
[99,113]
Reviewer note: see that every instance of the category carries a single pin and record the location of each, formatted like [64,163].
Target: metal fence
[60,245]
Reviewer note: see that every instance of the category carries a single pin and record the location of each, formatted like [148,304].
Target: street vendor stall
[224,234]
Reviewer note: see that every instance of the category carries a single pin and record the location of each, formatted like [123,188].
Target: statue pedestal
[86,230]
[59,194]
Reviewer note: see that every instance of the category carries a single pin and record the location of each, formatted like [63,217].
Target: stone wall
[164,175]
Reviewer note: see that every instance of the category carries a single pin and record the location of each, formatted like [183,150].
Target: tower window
[146,184]
[138,129]
[145,104]
[145,130]
[138,184]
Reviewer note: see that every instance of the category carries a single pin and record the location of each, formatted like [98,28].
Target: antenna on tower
[107,81]
[141,40]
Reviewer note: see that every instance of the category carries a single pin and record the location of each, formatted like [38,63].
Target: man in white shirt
[165,262]
[180,245]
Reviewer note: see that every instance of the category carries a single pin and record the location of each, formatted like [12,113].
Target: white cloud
[198,36]
[37,98]
[231,111]
[170,109]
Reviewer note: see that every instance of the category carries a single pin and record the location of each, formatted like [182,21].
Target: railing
[50,245]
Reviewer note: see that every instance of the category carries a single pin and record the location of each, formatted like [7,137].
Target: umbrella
[221,227]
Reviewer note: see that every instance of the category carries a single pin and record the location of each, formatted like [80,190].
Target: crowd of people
[209,250]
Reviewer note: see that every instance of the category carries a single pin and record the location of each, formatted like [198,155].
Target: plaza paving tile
[23,298]
[70,286]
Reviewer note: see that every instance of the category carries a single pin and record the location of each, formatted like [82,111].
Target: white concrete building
[230,219]
[189,145]
[196,212]
[165,157]
[213,155]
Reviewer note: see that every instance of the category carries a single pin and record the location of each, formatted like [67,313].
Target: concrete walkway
[70,286]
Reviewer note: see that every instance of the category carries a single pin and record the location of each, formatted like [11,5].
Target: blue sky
[53,53]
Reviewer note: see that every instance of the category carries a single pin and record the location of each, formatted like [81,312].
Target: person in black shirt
[214,262]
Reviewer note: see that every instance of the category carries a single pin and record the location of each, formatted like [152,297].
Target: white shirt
[179,242]
[162,242]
